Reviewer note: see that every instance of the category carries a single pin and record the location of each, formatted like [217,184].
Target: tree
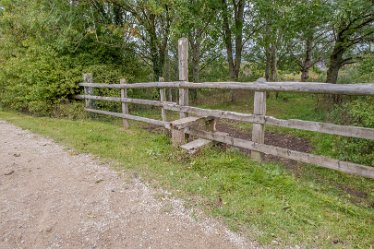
[312,38]
[152,22]
[232,17]
[47,45]
[353,24]
[274,18]
[196,21]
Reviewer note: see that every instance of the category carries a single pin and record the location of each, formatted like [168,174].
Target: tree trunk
[274,67]
[167,76]
[195,43]
[271,70]
[273,64]
[336,62]
[336,59]
[304,74]
[234,63]
[307,63]
[156,65]
[267,63]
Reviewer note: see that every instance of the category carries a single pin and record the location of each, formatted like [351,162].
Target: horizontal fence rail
[305,87]
[259,118]
[327,128]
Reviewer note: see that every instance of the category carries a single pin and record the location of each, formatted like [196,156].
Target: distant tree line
[46,45]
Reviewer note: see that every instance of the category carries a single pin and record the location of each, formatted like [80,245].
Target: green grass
[264,201]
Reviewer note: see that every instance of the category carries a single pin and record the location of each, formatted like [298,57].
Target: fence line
[258,118]
[305,87]
[327,128]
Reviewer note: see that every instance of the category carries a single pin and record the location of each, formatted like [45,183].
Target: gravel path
[52,198]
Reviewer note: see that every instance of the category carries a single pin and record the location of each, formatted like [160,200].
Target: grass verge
[265,201]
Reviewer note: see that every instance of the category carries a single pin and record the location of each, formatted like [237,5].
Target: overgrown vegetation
[45,46]
[314,208]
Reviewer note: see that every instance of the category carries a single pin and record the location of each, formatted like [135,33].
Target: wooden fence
[190,115]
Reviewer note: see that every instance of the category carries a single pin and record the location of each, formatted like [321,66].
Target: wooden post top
[87,77]
[261,80]
[183,59]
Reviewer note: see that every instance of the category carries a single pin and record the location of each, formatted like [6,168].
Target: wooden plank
[183,72]
[258,130]
[215,113]
[342,166]
[171,106]
[131,117]
[125,108]
[163,100]
[305,87]
[184,122]
[126,100]
[341,130]
[327,128]
[172,84]
[194,146]
[112,99]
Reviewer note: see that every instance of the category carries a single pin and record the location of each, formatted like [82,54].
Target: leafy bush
[359,112]
[45,49]
[356,111]
[41,79]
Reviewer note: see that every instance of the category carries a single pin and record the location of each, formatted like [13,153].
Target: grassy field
[319,207]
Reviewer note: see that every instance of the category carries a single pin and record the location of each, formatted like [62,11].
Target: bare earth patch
[53,198]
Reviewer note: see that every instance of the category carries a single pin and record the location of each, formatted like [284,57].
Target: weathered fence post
[87,78]
[170,93]
[163,99]
[258,129]
[178,137]
[183,72]
[125,107]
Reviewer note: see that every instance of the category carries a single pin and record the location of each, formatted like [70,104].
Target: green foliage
[362,72]
[359,112]
[45,50]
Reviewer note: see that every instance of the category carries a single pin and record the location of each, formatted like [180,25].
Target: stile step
[184,122]
[195,145]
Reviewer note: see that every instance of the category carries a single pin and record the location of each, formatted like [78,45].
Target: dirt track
[52,198]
